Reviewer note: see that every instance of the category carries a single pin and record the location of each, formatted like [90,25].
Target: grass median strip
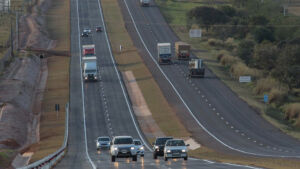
[129,60]
[52,125]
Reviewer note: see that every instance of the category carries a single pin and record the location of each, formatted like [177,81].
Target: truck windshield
[90,71]
[123,141]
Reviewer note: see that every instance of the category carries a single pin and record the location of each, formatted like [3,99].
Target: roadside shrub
[292,111]
[229,43]
[277,95]
[240,69]
[215,42]
[265,85]
[221,54]
[228,60]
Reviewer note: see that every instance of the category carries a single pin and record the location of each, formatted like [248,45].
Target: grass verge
[6,156]
[129,59]
[52,127]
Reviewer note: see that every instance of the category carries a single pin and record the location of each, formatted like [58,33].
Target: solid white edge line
[237,165]
[82,91]
[191,113]
[121,84]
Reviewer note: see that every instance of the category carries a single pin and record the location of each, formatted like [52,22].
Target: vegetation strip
[52,124]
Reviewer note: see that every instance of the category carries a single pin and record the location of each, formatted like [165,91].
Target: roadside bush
[215,42]
[221,54]
[245,50]
[265,85]
[229,43]
[240,69]
[228,60]
[292,111]
[277,95]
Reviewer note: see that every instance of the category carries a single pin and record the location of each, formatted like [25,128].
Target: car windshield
[103,139]
[161,141]
[123,141]
[175,143]
[137,143]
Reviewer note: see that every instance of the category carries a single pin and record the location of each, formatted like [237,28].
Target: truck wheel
[154,156]
[166,158]
[185,158]
[113,158]
[134,158]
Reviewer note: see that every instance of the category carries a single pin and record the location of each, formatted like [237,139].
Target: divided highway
[102,108]
[209,109]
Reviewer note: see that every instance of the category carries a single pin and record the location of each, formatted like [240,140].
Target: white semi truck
[164,55]
[90,68]
[145,2]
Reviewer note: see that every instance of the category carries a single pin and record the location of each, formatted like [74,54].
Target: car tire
[185,158]
[154,156]
[166,158]
[134,158]
[142,155]
[113,158]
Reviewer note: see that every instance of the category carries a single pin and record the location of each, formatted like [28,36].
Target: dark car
[159,145]
[84,34]
[99,29]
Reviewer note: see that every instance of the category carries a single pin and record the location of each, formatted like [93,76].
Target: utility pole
[17,31]
[11,39]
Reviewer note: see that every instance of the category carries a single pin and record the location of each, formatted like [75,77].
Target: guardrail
[53,158]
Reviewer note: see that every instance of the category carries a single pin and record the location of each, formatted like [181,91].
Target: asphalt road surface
[211,111]
[101,108]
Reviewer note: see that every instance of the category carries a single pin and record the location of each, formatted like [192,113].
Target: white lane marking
[82,92]
[237,165]
[208,161]
[190,111]
[123,90]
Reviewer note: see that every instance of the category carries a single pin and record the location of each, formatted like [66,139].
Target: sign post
[266,100]
[57,110]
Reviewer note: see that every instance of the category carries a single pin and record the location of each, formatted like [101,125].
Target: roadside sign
[266,98]
[195,33]
[245,79]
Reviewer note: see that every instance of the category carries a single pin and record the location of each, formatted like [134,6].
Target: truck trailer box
[90,68]
[164,54]
[88,50]
[182,50]
[196,68]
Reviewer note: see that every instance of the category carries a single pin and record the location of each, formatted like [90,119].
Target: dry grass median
[129,60]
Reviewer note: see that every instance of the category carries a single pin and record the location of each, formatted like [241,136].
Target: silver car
[139,146]
[103,142]
[175,148]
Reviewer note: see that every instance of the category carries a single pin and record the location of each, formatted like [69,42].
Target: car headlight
[142,148]
[156,147]
[183,151]
[132,148]
[85,78]
[97,144]
[168,151]
[115,148]
[95,77]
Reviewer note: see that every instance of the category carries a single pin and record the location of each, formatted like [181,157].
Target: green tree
[288,66]
[206,16]
[262,33]
[265,55]
[245,50]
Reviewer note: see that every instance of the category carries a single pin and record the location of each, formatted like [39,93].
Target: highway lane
[100,108]
[226,117]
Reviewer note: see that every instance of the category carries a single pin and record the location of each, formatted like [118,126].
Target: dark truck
[159,145]
[196,68]
[182,50]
